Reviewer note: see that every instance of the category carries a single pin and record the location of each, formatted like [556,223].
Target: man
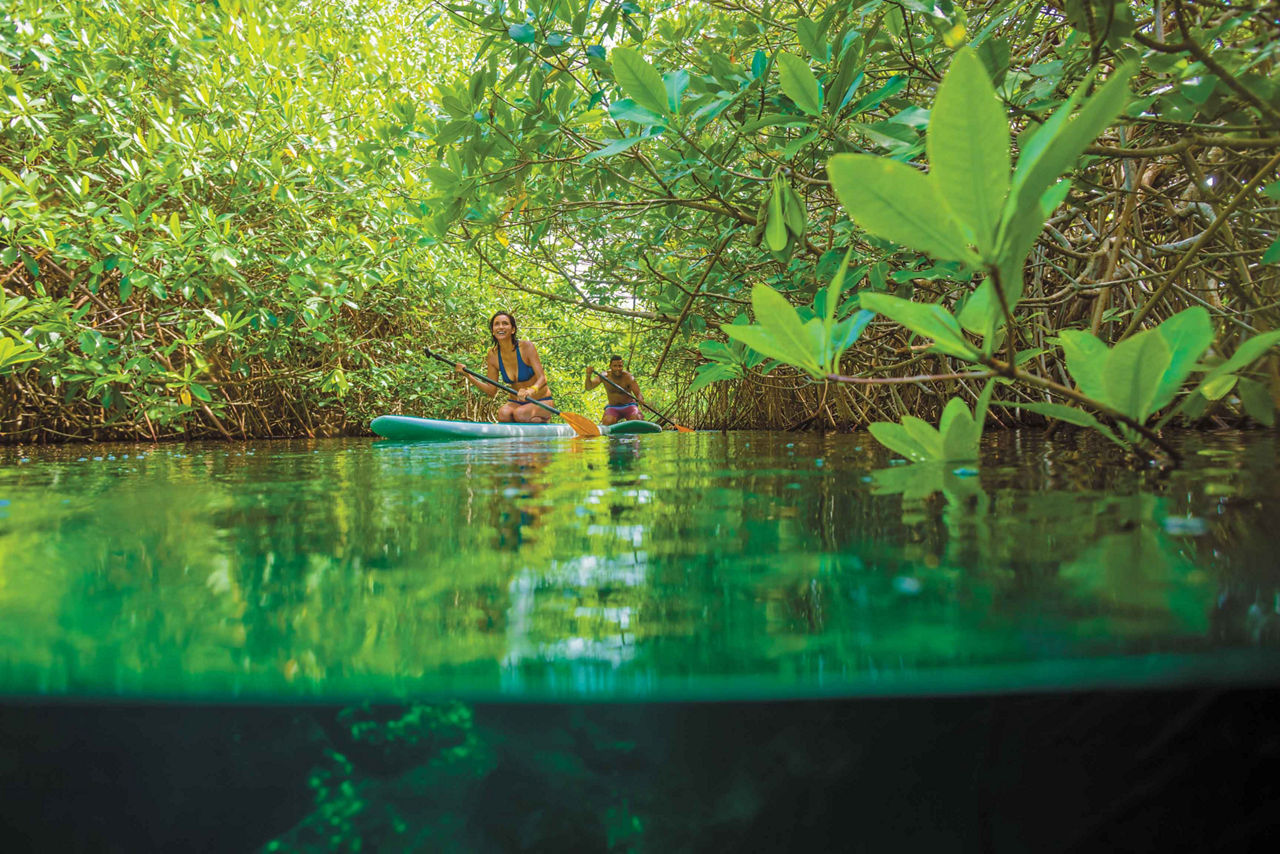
[622,390]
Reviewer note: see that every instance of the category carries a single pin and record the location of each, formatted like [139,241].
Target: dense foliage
[210,223]
[247,218]
[679,152]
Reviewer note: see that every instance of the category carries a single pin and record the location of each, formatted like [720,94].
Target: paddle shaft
[483,378]
[633,397]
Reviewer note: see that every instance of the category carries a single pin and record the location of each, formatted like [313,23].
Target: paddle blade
[682,429]
[581,425]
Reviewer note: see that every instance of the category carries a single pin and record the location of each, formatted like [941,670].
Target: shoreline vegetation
[248,219]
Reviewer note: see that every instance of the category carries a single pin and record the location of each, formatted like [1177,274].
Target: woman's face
[501,327]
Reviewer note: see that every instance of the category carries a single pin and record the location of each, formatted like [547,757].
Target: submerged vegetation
[250,218]
[566,573]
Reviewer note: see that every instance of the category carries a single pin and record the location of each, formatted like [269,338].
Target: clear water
[668,567]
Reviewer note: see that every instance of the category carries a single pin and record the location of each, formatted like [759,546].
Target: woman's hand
[523,394]
[459,369]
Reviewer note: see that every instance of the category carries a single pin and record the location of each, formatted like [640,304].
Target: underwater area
[739,641]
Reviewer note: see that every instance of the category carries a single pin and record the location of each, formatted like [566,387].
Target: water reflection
[669,563]
[518,509]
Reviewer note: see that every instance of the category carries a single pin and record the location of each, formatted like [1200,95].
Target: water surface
[675,566]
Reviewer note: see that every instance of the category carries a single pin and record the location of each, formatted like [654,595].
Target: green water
[675,566]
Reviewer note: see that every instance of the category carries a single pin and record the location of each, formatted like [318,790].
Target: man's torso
[626,381]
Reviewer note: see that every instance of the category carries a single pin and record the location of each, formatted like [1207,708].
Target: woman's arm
[539,376]
[491,369]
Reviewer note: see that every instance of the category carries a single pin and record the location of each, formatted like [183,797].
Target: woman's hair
[515,338]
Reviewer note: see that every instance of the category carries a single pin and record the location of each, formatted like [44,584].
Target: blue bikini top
[523,371]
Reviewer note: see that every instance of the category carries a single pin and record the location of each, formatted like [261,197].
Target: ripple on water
[747,563]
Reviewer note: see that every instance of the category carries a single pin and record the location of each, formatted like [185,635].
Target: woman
[517,363]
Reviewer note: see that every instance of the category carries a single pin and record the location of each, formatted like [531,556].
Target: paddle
[581,425]
[679,427]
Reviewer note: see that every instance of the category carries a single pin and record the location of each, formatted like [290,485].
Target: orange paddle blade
[581,425]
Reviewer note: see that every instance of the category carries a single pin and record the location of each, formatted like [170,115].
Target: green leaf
[929,320]
[777,315]
[639,79]
[835,288]
[896,438]
[1192,407]
[1053,197]
[1026,355]
[522,33]
[1187,334]
[1258,402]
[1048,153]
[793,211]
[616,147]
[980,411]
[773,119]
[710,111]
[200,392]
[995,56]
[775,228]
[846,332]
[892,200]
[962,431]
[1217,388]
[215,318]
[1033,146]
[675,82]
[1053,150]
[799,84]
[891,135]
[855,81]
[812,39]
[763,342]
[1021,235]
[1134,371]
[968,147]
[981,312]
[626,109]
[957,429]
[16,353]
[916,482]
[793,147]
[1272,255]
[759,64]
[778,332]
[871,100]
[1086,358]
[1068,414]
[954,410]
[717,351]
[818,343]
[1246,354]
[14,180]
[708,374]
[925,436]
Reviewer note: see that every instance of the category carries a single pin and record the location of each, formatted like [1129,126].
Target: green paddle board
[406,428]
